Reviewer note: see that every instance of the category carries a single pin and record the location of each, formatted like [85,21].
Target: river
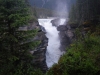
[53,52]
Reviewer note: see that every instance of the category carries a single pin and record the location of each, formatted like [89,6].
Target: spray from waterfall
[53,52]
[43,3]
[61,8]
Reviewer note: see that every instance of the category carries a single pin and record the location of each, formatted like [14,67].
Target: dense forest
[82,57]
[15,42]
[84,10]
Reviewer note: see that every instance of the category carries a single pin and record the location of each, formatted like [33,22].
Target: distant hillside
[45,13]
[42,12]
[49,4]
[51,8]
[42,3]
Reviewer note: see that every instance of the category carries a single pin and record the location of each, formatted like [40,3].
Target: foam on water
[53,52]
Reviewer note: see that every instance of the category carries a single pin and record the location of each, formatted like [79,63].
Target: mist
[53,52]
[62,8]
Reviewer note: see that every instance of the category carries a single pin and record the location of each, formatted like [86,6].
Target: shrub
[82,58]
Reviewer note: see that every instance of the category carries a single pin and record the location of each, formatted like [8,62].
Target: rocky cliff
[39,60]
[65,33]
[66,36]
[39,53]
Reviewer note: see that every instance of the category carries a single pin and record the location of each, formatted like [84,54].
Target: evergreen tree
[72,14]
[15,39]
[85,10]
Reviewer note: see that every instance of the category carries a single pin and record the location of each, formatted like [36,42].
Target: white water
[53,52]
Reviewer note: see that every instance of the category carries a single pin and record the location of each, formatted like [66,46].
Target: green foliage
[72,14]
[82,58]
[84,10]
[15,40]
[92,26]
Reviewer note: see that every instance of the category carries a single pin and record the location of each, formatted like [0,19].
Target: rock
[33,25]
[43,29]
[69,33]
[64,40]
[74,25]
[39,56]
[66,36]
[62,28]
[39,60]
[55,22]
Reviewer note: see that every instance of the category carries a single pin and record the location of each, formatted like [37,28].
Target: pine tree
[85,10]
[72,14]
[15,39]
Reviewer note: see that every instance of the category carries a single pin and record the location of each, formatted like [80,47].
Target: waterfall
[53,52]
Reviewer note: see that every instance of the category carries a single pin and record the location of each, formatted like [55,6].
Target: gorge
[56,44]
[58,33]
[53,52]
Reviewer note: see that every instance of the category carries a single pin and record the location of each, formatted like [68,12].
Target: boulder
[39,60]
[66,36]
[62,28]
[64,40]
[55,22]
[33,25]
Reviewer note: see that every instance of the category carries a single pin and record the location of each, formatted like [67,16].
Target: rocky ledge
[65,34]
[39,60]
[39,54]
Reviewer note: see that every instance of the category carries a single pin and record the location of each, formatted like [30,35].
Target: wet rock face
[65,37]
[39,55]
[65,34]
[62,28]
[39,60]
[33,25]
[64,40]
[55,22]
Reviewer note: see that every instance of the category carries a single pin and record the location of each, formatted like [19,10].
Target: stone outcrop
[39,60]
[65,34]
[39,53]
[55,22]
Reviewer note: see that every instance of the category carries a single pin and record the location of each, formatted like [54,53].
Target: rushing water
[53,52]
